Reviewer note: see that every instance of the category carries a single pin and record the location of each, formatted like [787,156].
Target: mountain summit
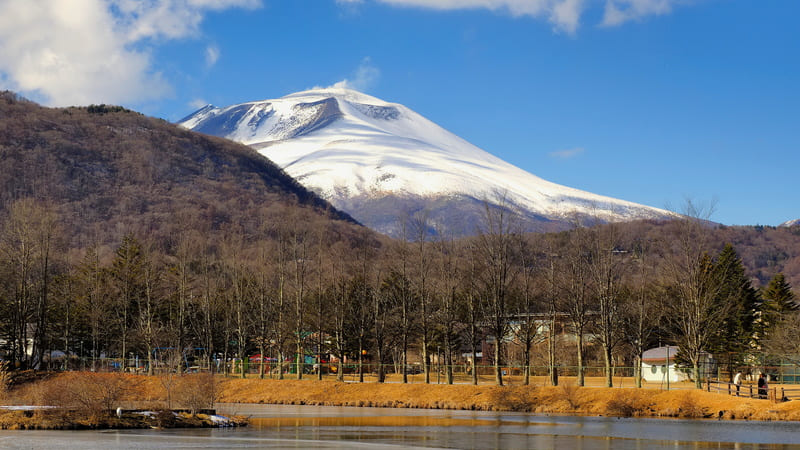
[379,161]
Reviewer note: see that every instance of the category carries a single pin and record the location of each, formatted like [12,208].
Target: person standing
[737,380]
[762,386]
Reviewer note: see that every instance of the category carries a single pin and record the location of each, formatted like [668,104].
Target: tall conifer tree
[737,296]
[778,299]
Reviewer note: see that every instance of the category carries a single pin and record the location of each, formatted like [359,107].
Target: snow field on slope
[377,147]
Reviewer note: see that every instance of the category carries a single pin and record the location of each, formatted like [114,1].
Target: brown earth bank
[87,400]
[567,399]
[55,419]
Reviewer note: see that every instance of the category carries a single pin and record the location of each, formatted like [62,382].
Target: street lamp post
[667,366]
[438,366]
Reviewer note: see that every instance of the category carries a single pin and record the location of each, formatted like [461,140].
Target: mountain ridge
[347,146]
[108,168]
[790,223]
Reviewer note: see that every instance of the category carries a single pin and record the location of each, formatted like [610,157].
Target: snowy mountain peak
[339,93]
[790,223]
[376,159]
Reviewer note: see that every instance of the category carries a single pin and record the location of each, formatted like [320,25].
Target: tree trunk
[360,361]
[340,372]
[225,352]
[261,363]
[124,349]
[638,365]
[426,366]
[448,358]
[149,360]
[300,359]
[498,374]
[526,355]
[405,359]
[551,350]
[474,358]
[280,363]
[580,380]
[381,370]
[698,383]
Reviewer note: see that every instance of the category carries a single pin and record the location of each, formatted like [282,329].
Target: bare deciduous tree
[642,310]
[496,245]
[528,304]
[576,285]
[606,268]
[694,313]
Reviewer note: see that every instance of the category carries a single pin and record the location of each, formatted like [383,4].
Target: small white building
[660,361]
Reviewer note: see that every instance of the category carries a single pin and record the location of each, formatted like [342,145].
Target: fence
[749,390]
[461,373]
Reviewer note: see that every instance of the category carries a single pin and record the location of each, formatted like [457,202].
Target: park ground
[165,392]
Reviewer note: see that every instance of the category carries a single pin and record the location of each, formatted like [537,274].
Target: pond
[340,427]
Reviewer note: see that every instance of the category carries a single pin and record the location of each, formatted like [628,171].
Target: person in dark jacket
[762,386]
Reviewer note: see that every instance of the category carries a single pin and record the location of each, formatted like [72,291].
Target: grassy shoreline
[79,420]
[169,392]
[566,399]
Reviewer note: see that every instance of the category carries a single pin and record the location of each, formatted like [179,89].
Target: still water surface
[377,428]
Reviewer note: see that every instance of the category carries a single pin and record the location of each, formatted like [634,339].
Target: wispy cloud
[94,51]
[564,15]
[364,77]
[212,55]
[618,12]
[198,103]
[566,154]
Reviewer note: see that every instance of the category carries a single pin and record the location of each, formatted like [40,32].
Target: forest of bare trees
[127,243]
[293,286]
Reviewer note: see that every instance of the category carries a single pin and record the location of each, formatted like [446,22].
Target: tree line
[295,287]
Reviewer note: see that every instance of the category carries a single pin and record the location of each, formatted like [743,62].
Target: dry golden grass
[563,399]
[88,400]
[149,392]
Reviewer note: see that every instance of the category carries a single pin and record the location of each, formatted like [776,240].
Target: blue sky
[652,101]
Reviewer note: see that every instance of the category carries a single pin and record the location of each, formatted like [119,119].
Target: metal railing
[749,390]
[461,373]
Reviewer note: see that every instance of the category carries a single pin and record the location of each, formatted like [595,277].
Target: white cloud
[565,15]
[566,154]
[91,51]
[364,77]
[170,19]
[198,103]
[618,12]
[212,55]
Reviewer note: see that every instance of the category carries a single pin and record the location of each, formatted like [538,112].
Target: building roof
[660,353]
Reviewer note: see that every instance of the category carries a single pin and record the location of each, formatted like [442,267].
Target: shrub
[570,393]
[625,404]
[92,395]
[688,407]
[196,391]
[509,399]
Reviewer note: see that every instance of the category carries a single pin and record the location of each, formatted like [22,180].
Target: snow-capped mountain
[379,161]
[790,223]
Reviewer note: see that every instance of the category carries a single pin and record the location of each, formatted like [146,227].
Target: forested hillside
[108,171]
[765,251]
[127,243]
[110,220]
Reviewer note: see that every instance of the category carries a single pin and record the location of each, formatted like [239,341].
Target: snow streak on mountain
[381,161]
